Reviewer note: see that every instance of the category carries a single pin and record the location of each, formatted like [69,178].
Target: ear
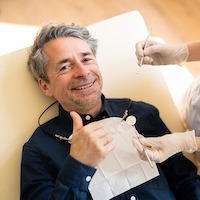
[45,87]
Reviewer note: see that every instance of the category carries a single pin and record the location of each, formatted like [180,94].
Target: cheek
[100,77]
[95,70]
[59,85]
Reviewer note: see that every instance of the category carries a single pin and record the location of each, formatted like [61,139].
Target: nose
[81,70]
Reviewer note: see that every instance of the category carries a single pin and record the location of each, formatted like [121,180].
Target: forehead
[66,44]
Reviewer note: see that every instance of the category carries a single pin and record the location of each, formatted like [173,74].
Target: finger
[153,155]
[152,43]
[77,121]
[137,135]
[107,139]
[147,60]
[156,155]
[139,49]
[152,142]
[141,151]
[140,45]
[153,49]
[137,145]
[110,146]
[153,149]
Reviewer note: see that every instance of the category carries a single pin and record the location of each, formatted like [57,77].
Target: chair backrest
[22,101]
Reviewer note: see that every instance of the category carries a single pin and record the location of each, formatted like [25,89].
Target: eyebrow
[67,59]
[62,61]
[86,53]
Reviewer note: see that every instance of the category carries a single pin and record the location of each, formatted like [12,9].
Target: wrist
[190,142]
[180,54]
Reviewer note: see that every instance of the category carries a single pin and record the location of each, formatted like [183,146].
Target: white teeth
[85,86]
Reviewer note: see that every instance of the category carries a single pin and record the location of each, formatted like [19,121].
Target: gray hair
[38,60]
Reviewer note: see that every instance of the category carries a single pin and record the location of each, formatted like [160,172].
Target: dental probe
[145,46]
[131,120]
[144,149]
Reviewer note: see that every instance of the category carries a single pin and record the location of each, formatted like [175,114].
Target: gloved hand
[161,148]
[161,54]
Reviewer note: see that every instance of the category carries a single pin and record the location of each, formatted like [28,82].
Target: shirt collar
[105,112]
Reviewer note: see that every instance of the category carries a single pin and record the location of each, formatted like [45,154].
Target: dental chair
[22,101]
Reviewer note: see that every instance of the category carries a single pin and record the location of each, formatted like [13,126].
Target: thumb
[77,121]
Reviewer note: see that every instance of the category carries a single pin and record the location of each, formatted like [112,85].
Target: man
[64,64]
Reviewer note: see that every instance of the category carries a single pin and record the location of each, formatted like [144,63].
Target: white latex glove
[161,54]
[161,148]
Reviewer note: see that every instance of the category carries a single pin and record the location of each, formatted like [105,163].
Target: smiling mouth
[84,87]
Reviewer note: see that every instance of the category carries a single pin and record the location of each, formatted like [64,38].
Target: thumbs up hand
[91,143]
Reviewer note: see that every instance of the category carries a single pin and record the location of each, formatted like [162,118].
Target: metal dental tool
[146,154]
[131,120]
[145,46]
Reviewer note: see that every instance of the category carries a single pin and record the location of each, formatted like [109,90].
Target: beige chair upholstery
[22,101]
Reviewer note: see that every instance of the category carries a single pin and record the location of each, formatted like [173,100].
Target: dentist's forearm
[198,143]
[193,50]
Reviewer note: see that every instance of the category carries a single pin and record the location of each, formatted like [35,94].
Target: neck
[92,110]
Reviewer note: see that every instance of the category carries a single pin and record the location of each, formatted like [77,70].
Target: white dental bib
[122,169]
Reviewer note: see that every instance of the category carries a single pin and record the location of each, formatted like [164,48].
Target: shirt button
[133,198]
[88,178]
[87,117]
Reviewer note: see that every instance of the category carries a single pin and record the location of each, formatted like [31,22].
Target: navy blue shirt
[48,172]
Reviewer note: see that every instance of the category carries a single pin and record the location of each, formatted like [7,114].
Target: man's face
[75,79]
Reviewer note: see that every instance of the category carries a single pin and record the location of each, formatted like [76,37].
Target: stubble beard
[87,102]
[84,102]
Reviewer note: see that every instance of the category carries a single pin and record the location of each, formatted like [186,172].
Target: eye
[64,68]
[88,59]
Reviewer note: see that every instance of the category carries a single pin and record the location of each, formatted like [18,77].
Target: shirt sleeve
[38,183]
